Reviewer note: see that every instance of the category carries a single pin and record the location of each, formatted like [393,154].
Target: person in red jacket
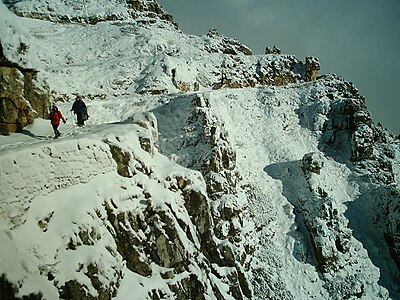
[55,116]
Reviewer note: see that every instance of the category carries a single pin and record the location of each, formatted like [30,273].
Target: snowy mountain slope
[74,220]
[270,157]
[277,189]
[125,57]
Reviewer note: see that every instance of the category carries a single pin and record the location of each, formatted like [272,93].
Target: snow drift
[204,172]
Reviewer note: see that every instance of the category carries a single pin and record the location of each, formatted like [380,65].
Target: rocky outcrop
[207,142]
[88,13]
[158,232]
[330,236]
[148,140]
[15,111]
[349,132]
[312,67]
[390,215]
[223,44]
[237,72]
[334,246]
[22,97]
[223,71]
[349,136]
[276,70]
[272,50]
[151,9]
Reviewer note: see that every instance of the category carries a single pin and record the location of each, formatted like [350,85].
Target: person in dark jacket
[79,108]
[55,116]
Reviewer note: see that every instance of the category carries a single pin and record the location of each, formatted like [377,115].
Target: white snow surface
[50,188]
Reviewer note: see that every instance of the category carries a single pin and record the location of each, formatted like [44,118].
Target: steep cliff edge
[107,206]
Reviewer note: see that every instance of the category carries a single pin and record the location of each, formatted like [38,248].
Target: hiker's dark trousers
[80,118]
[55,129]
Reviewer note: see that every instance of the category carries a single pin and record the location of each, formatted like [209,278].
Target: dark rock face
[239,72]
[391,217]
[312,68]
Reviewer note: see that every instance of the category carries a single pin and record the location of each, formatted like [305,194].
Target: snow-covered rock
[203,172]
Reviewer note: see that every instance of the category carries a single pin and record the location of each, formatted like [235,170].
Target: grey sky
[356,39]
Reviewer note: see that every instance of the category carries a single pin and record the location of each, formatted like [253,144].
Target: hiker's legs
[79,116]
[55,129]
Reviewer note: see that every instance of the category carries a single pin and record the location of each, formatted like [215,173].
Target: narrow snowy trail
[40,131]
[101,113]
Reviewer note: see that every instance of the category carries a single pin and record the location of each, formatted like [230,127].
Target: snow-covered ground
[51,189]
[268,157]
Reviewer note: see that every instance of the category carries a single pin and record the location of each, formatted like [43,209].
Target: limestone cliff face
[206,148]
[333,243]
[22,97]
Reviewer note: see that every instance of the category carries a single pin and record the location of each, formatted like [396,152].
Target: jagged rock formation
[312,67]
[351,136]
[330,235]
[226,193]
[206,148]
[150,8]
[226,44]
[272,50]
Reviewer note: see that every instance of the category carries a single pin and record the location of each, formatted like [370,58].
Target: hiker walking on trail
[79,108]
[55,116]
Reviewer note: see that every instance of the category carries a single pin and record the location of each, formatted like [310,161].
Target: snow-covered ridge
[89,12]
[237,177]
[125,57]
